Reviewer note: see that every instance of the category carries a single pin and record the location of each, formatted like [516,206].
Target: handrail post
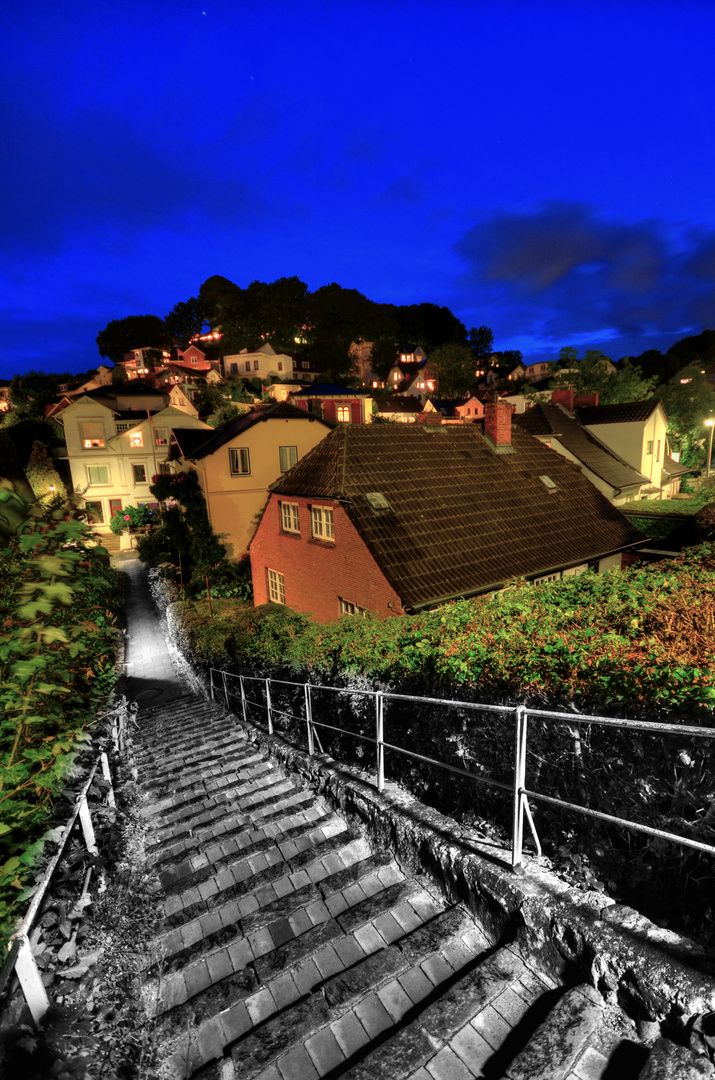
[225,688]
[517,831]
[211,683]
[33,988]
[85,820]
[309,720]
[243,700]
[380,737]
[269,706]
[108,777]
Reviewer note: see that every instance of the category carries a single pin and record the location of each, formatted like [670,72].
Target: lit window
[136,439]
[240,461]
[344,414]
[348,608]
[97,474]
[289,517]
[161,436]
[288,457]
[276,587]
[139,474]
[306,364]
[92,435]
[322,522]
[194,360]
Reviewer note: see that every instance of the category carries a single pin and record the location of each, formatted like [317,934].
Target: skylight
[377,500]
[548,484]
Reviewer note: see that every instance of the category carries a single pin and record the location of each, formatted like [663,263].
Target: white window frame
[290,518]
[142,466]
[276,587]
[159,439]
[136,440]
[649,446]
[284,454]
[239,460]
[348,608]
[97,468]
[321,523]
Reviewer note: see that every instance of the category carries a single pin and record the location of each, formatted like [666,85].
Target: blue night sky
[545,168]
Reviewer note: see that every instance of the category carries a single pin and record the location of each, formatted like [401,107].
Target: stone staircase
[289,950]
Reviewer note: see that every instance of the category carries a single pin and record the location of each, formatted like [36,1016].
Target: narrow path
[289,950]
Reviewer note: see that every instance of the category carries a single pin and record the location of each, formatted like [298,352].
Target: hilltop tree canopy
[132,332]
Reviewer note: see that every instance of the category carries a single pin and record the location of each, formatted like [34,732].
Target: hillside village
[387,492]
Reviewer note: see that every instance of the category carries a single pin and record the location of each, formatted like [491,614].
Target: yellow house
[636,431]
[236,463]
[118,438]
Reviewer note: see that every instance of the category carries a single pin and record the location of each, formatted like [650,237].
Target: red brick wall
[497,422]
[585,401]
[317,573]
[563,397]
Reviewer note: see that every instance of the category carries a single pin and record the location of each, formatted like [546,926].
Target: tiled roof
[553,421]
[281,410]
[625,413]
[672,469]
[463,519]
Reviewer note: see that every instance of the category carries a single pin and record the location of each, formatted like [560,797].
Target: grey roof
[324,389]
[552,420]
[624,413]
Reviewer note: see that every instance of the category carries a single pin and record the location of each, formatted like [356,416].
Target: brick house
[395,518]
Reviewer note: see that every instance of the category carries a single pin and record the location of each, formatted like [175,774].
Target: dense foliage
[637,644]
[58,606]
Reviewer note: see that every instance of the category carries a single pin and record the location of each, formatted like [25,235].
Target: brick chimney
[586,401]
[497,422]
[563,397]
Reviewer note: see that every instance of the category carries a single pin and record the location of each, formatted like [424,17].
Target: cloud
[563,269]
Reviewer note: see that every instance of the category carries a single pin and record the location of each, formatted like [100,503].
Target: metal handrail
[20,959]
[521,714]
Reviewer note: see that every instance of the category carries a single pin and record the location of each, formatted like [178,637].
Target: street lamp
[711,425]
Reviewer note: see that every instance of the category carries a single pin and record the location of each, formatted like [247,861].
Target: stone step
[177,753]
[157,738]
[234,824]
[281,828]
[229,783]
[559,1043]
[212,764]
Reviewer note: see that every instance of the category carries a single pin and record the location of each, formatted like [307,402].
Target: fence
[20,960]
[518,715]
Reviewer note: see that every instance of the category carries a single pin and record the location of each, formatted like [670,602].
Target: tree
[331,355]
[44,479]
[30,393]
[208,400]
[383,356]
[481,342]
[185,321]
[134,332]
[454,366]
[688,400]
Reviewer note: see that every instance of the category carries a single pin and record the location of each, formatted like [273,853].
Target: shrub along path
[289,950]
